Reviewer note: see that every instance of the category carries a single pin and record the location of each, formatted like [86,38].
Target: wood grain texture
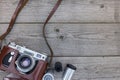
[92,68]
[69,39]
[81,32]
[69,11]
[89,68]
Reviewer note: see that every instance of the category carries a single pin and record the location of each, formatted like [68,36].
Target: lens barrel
[25,63]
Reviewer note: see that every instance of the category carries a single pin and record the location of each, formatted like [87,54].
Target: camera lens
[25,62]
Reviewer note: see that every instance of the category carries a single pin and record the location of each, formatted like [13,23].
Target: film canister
[69,71]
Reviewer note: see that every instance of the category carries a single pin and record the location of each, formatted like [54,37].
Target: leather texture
[12,76]
[36,74]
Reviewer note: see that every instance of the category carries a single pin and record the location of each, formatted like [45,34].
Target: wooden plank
[92,68]
[69,11]
[69,39]
[89,68]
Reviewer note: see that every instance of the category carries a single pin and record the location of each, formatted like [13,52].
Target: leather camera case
[36,74]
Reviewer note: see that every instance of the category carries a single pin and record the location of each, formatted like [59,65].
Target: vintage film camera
[24,62]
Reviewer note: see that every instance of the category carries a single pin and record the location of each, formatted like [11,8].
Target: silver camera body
[27,59]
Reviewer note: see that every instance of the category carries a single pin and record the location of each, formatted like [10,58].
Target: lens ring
[48,76]
[22,67]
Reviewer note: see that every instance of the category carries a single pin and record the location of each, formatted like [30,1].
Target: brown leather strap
[44,35]
[13,19]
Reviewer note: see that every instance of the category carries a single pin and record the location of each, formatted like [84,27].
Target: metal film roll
[70,69]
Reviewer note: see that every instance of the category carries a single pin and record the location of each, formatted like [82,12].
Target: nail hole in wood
[102,6]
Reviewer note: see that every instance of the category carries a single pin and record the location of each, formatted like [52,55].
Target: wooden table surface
[85,33]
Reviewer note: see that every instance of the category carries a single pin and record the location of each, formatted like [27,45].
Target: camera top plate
[24,50]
